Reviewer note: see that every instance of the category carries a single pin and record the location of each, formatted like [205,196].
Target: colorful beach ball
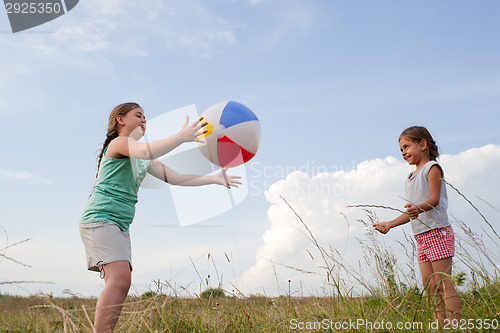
[233,134]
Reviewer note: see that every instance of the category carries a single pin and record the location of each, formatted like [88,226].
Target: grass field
[391,298]
[152,312]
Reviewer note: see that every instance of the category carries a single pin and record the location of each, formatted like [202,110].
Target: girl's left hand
[222,178]
[191,133]
[412,211]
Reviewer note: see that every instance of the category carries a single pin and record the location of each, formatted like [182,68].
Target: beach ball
[233,134]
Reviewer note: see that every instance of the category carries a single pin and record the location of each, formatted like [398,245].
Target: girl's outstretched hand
[222,178]
[192,132]
[382,227]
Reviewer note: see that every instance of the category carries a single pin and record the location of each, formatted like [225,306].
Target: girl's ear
[423,144]
[119,120]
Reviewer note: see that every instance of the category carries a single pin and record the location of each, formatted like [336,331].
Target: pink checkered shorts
[435,244]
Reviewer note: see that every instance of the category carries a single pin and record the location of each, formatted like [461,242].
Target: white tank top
[417,192]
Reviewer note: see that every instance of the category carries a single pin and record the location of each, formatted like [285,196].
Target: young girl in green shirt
[123,164]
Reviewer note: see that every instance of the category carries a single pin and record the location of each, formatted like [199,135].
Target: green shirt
[114,195]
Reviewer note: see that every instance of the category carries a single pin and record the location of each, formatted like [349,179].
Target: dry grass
[162,313]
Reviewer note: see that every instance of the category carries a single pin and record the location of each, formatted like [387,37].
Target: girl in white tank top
[426,208]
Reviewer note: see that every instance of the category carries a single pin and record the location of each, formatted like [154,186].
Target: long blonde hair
[120,110]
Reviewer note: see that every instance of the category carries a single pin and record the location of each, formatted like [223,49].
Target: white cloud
[136,29]
[24,176]
[96,31]
[192,26]
[291,17]
[92,36]
[320,200]
[101,26]
[254,2]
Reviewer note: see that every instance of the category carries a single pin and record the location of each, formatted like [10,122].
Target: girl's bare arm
[434,177]
[166,174]
[124,146]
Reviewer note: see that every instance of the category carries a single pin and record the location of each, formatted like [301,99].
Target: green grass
[162,313]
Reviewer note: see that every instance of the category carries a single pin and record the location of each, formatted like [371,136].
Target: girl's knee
[439,288]
[121,284]
[428,282]
[449,287]
[445,286]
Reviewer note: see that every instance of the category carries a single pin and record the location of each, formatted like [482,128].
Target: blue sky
[332,82]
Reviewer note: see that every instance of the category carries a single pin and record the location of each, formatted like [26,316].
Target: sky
[333,84]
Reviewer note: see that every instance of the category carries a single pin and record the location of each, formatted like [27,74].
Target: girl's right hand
[382,227]
[222,178]
[189,133]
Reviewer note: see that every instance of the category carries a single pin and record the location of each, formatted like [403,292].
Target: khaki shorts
[104,243]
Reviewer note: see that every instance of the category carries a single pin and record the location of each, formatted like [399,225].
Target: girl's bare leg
[430,284]
[117,279]
[446,287]
[441,288]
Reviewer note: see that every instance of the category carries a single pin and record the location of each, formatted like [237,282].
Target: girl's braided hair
[419,133]
[120,110]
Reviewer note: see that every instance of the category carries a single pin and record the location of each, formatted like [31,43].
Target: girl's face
[413,152]
[133,123]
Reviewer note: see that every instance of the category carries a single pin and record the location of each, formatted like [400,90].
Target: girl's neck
[123,132]
[423,161]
